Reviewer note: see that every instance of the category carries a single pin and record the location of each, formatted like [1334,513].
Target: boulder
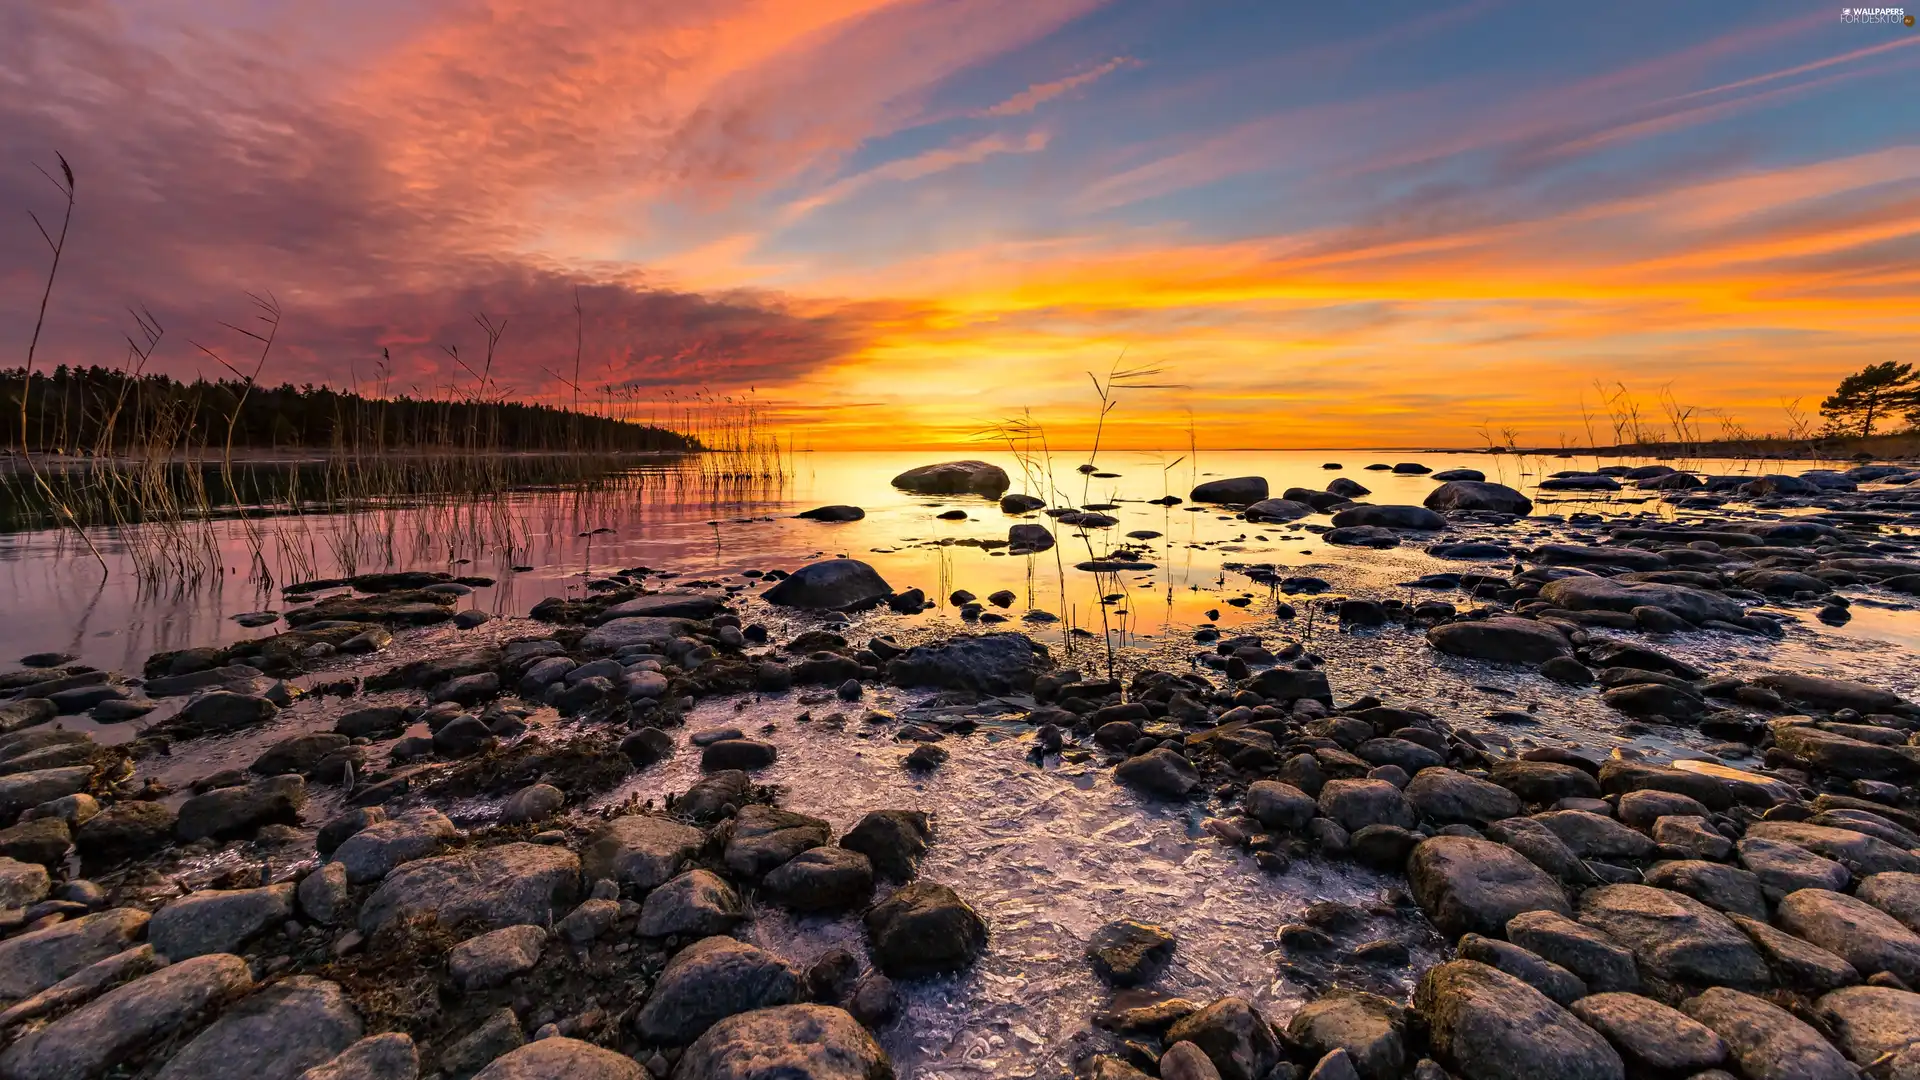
[1858,852]
[1542,847]
[924,929]
[1473,493]
[793,1042]
[1825,693]
[981,663]
[298,754]
[641,851]
[1651,1037]
[22,883]
[1128,953]
[1475,886]
[1233,1035]
[31,962]
[488,887]
[1238,490]
[1599,961]
[374,852]
[1503,638]
[1717,885]
[1854,930]
[1544,781]
[1591,836]
[1831,752]
[275,1034]
[1605,594]
[26,790]
[496,956]
[1356,804]
[698,903]
[1488,1025]
[241,810]
[1277,510]
[218,920]
[668,605]
[1674,938]
[1447,797]
[1371,1029]
[126,1020]
[1797,964]
[1389,517]
[708,981]
[1279,806]
[1897,894]
[378,1057]
[1871,1022]
[1768,1042]
[1559,984]
[1159,771]
[955,478]
[559,1056]
[764,837]
[222,711]
[1782,868]
[830,585]
[822,879]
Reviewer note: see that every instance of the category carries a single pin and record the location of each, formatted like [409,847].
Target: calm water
[58,599]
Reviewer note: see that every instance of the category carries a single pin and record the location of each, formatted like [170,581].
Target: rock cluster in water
[1600,917]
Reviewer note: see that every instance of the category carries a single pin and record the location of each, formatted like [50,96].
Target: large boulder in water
[955,478]
[1238,489]
[1606,594]
[924,929]
[1476,495]
[802,1042]
[831,585]
[1504,638]
[1278,510]
[983,663]
[1390,517]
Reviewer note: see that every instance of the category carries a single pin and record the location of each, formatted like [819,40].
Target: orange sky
[901,221]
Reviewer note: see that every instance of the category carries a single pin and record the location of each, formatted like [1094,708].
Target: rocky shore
[394,841]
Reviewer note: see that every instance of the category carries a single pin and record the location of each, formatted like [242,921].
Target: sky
[904,222]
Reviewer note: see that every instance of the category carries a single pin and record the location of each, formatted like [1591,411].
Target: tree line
[78,410]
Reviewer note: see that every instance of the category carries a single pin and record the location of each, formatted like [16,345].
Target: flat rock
[1859,853]
[1602,963]
[1854,930]
[1870,1022]
[710,980]
[1768,1042]
[1784,867]
[792,1042]
[1651,1036]
[1605,594]
[1591,836]
[275,1034]
[126,1020]
[967,477]
[1717,885]
[1503,638]
[1797,964]
[666,605]
[1897,894]
[26,790]
[764,837]
[491,887]
[641,851]
[29,963]
[1469,491]
[982,663]
[1825,693]
[1675,938]
[1475,886]
[822,879]
[1448,797]
[1238,490]
[241,810]
[622,633]
[218,920]
[1489,1025]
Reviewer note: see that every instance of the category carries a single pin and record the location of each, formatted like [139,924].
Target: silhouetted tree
[1868,395]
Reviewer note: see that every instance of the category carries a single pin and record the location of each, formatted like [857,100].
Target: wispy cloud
[1040,93]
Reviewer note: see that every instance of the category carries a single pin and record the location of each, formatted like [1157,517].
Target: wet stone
[1467,885]
[1675,938]
[1233,1034]
[924,929]
[1128,953]
[1370,1029]
[698,903]
[708,981]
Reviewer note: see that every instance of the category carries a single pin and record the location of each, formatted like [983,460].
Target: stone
[1238,490]
[497,1035]
[656,633]
[1128,953]
[243,809]
[375,851]
[792,1042]
[1277,510]
[1488,1025]
[1544,781]
[26,790]
[1896,893]
[1000,663]
[955,478]
[1871,1022]
[299,754]
[1591,836]
[275,1034]
[1854,930]
[1356,804]
[323,895]
[493,958]
[124,1021]
[1855,759]
[588,922]
[1159,772]
[1563,986]
[1542,847]
[1768,1042]
[338,828]
[1593,957]
[1447,797]
[1797,964]
[1640,809]
[1725,888]
[1674,938]
[31,962]
[1651,1036]
[708,981]
[892,840]
[642,851]
[1279,806]
[533,803]
[38,840]
[743,754]
[832,585]
[490,887]
[924,929]
[1369,1029]
[1185,1061]
[822,879]
[1503,638]
[1476,886]
[1605,594]
[764,837]
[1389,517]
[680,604]
[1233,1035]
[1782,867]
[1825,693]
[22,883]
[1860,853]
[698,903]
[379,1057]
[221,711]
[1472,492]
[218,920]
[561,1057]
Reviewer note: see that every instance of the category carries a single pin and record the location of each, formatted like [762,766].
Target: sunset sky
[898,221]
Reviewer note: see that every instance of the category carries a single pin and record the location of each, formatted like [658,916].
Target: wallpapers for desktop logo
[1880,15]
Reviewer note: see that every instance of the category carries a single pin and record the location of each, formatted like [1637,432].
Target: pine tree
[1868,395]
